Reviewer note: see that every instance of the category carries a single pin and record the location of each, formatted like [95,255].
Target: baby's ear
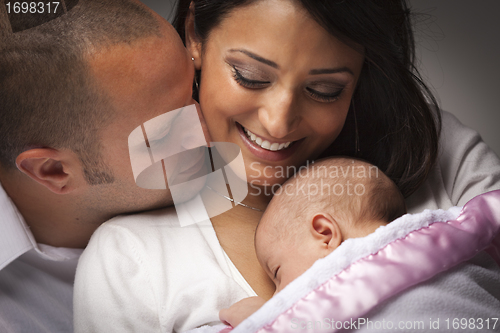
[326,229]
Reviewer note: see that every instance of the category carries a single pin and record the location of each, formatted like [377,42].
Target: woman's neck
[220,198]
[235,230]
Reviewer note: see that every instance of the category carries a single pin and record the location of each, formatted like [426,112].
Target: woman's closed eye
[320,93]
[249,79]
[324,93]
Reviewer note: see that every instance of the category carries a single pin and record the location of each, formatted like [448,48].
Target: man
[71,91]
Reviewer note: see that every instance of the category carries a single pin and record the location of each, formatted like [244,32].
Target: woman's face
[277,84]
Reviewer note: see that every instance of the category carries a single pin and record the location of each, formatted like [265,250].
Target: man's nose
[280,115]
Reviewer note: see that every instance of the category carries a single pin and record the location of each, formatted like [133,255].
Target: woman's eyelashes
[324,91]
[250,80]
[324,97]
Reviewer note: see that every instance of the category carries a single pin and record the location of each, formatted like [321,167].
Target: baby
[312,214]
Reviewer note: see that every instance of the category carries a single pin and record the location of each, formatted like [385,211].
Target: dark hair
[48,96]
[395,113]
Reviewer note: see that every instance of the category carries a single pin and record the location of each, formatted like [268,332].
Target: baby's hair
[353,191]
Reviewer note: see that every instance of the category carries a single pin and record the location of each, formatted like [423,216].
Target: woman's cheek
[223,98]
[328,122]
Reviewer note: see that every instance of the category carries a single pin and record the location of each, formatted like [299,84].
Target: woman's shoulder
[138,221]
[184,217]
[135,226]
[157,234]
[176,275]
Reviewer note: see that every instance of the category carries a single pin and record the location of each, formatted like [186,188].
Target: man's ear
[57,170]
[193,43]
[326,229]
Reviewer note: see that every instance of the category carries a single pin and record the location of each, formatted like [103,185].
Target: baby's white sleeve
[112,288]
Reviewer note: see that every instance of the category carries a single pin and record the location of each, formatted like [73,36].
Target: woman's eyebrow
[331,71]
[256,57]
[275,65]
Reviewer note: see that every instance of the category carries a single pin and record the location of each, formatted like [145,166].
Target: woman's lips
[266,154]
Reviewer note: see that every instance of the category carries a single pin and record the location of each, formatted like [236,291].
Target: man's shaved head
[48,97]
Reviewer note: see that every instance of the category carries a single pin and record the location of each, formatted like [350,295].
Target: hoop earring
[357,149]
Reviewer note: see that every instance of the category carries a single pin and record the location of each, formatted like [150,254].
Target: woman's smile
[267,148]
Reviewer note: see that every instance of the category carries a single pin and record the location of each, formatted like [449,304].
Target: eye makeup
[243,79]
[251,76]
[325,93]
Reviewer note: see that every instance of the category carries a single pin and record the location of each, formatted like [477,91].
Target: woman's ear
[326,229]
[54,169]
[193,42]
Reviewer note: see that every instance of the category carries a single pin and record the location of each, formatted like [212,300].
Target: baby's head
[320,207]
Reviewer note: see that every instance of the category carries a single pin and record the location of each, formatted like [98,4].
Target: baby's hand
[241,310]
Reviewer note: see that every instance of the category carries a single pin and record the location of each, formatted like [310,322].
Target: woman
[256,63]
[313,75]
[287,81]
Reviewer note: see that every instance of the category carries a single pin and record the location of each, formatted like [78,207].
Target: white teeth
[266,144]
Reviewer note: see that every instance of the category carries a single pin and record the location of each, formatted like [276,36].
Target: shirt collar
[16,237]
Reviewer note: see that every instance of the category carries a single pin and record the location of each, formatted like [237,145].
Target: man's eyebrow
[331,71]
[256,57]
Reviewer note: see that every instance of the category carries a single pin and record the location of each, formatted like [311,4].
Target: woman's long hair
[393,121]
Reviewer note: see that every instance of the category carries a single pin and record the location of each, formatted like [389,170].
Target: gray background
[458,47]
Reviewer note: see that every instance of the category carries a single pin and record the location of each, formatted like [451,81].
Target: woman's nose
[280,115]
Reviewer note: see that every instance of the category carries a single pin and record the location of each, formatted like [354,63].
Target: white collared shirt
[36,280]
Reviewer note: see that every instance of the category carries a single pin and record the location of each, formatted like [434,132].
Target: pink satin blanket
[402,263]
